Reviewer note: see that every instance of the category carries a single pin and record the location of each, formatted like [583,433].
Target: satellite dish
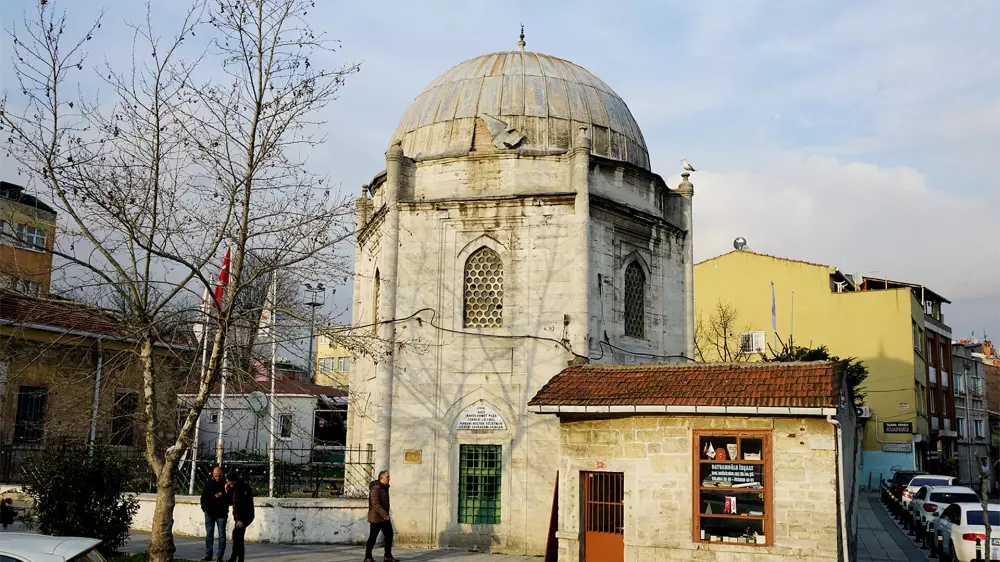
[257,401]
[740,243]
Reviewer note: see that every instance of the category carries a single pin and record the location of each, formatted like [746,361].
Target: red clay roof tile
[802,384]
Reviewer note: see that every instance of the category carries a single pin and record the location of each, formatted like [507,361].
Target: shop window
[483,297]
[733,488]
[479,472]
[635,301]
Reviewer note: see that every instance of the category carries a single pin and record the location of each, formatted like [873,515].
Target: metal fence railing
[320,472]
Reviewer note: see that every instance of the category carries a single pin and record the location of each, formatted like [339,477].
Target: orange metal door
[604,516]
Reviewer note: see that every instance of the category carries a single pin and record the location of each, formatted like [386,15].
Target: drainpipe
[840,483]
[97,392]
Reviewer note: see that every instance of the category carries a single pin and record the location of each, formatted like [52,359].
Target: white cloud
[855,216]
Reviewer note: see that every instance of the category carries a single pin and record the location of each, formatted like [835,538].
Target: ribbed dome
[543,98]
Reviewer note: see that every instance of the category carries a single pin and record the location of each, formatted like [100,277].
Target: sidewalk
[880,539]
[194,549]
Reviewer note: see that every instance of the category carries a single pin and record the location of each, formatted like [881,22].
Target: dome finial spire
[521,43]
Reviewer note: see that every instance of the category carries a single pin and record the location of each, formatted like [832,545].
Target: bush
[81,491]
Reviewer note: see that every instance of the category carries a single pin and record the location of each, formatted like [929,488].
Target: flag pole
[274,363]
[774,320]
[196,443]
[220,292]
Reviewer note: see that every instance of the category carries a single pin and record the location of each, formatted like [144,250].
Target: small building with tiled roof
[706,461]
[307,416]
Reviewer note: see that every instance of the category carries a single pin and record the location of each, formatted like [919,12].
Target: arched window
[375,291]
[635,301]
[483,296]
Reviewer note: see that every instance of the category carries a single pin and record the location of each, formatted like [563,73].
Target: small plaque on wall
[413,456]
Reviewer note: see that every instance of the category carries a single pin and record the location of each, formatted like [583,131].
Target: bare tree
[719,338]
[198,150]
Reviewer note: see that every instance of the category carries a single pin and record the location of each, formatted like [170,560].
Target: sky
[863,135]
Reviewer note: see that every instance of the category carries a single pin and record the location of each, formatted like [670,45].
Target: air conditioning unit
[864,412]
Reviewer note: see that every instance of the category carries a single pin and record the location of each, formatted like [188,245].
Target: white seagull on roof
[686,166]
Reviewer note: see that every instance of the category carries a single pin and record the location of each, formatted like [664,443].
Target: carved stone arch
[637,257]
[479,242]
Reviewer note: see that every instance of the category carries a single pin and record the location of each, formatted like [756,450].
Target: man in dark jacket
[378,517]
[242,497]
[215,503]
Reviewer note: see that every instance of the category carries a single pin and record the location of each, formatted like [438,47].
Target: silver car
[27,547]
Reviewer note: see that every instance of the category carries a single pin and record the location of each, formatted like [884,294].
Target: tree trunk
[161,543]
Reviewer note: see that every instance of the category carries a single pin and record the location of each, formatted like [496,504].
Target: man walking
[215,503]
[243,512]
[378,517]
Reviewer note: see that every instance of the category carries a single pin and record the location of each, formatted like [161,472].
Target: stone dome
[529,102]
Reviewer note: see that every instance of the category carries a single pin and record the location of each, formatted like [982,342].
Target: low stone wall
[278,520]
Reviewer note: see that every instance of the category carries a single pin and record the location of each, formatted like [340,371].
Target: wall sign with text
[897,427]
[481,417]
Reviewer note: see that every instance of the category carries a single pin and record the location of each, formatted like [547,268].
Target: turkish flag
[220,287]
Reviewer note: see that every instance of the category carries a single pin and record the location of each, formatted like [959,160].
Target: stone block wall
[655,455]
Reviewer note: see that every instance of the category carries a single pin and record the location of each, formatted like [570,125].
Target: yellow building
[333,362]
[27,233]
[877,321]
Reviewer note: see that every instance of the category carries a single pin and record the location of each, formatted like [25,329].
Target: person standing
[242,498]
[6,513]
[378,517]
[215,504]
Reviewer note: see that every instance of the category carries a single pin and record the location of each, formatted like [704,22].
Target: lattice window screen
[483,297]
[635,301]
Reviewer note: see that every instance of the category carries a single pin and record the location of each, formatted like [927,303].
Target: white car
[925,480]
[930,501]
[27,547]
[960,524]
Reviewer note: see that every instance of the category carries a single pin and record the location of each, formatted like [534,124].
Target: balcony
[931,375]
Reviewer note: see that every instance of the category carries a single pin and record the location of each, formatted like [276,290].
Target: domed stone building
[517,229]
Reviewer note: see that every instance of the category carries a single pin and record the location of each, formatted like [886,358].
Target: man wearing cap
[242,502]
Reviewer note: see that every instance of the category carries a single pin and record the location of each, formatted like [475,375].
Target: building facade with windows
[516,229]
[27,234]
[895,328]
[333,361]
[971,412]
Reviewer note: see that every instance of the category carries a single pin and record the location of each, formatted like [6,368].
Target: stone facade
[563,224]
[656,456]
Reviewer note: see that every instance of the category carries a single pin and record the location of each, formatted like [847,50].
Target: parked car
[27,547]
[930,501]
[901,479]
[925,480]
[961,524]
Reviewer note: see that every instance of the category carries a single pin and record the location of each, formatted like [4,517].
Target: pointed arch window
[375,295]
[483,289]
[635,301]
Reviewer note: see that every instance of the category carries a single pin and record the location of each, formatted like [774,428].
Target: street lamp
[317,298]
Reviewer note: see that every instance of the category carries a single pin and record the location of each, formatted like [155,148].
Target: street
[194,548]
